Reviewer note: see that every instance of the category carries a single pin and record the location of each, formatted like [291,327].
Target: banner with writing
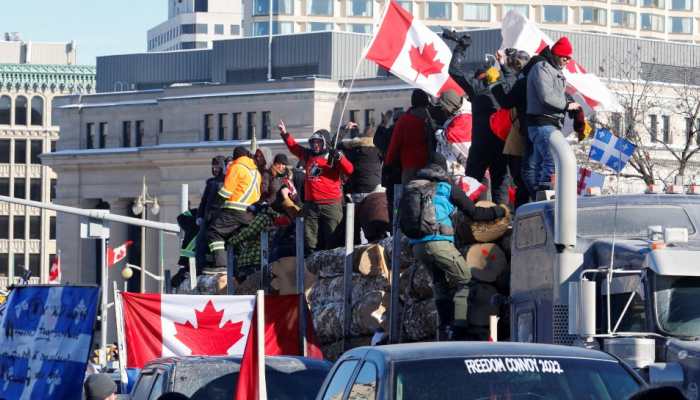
[45,338]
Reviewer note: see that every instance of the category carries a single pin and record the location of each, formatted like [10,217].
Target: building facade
[196,24]
[675,20]
[31,75]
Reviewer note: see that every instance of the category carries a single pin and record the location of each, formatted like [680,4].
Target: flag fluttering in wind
[520,33]
[55,269]
[114,255]
[412,52]
[610,150]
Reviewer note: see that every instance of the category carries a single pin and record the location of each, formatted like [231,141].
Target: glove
[335,156]
[492,75]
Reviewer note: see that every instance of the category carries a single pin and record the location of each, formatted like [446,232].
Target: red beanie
[563,48]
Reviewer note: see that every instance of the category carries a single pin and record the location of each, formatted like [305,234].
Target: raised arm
[292,144]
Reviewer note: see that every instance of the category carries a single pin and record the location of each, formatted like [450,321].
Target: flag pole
[121,344]
[103,308]
[260,330]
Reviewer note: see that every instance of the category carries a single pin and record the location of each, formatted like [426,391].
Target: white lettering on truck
[512,364]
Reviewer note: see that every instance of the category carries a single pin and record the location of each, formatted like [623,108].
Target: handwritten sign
[45,338]
[512,365]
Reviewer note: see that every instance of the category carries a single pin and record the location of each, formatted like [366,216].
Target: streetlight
[140,206]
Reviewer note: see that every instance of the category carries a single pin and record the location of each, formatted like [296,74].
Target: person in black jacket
[486,151]
[511,92]
[218,168]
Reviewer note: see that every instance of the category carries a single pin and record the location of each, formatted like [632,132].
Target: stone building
[31,76]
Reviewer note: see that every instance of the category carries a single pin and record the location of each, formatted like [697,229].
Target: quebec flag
[610,150]
[45,339]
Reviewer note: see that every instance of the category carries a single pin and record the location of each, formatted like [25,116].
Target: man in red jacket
[409,142]
[323,193]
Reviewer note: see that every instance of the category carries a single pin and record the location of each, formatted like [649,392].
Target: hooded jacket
[449,197]
[364,156]
[322,181]
[241,185]
[546,91]
[211,187]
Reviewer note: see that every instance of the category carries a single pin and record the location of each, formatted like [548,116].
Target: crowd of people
[498,129]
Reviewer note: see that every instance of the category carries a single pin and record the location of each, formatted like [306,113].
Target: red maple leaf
[424,62]
[208,338]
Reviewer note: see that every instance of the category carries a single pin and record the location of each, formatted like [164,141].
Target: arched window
[21,110]
[37,111]
[5,110]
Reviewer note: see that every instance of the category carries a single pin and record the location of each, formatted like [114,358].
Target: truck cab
[628,285]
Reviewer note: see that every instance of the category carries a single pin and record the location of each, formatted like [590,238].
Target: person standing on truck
[427,205]
[547,103]
[213,184]
[323,193]
[229,209]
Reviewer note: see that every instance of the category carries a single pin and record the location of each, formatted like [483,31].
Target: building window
[208,127]
[235,30]
[37,111]
[218,29]
[20,110]
[89,136]
[5,151]
[554,14]
[319,7]
[653,127]
[20,151]
[407,5]
[320,26]
[52,189]
[139,133]
[523,9]
[624,19]
[35,227]
[689,129]
[369,118]
[223,126]
[668,139]
[5,110]
[20,189]
[126,134]
[201,6]
[250,130]
[616,123]
[262,28]
[35,150]
[279,7]
[594,16]
[653,4]
[360,28]
[190,29]
[353,115]
[52,227]
[682,5]
[35,189]
[5,186]
[651,22]
[266,124]
[103,135]
[477,12]
[160,127]
[359,8]
[236,126]
[4,227]
[439,10]
[18,231]
[681,24]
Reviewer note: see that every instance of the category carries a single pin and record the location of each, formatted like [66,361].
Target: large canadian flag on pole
[520,33]
[411,51]
[161,325]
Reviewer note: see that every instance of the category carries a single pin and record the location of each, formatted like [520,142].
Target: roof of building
[68,77]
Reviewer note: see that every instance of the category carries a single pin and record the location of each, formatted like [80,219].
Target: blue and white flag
[45,338]
[610,150]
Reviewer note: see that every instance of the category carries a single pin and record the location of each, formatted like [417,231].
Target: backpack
[417,217]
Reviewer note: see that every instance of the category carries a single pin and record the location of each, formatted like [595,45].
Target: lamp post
[140,206]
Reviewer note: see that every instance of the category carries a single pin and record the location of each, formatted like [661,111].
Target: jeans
[540,164]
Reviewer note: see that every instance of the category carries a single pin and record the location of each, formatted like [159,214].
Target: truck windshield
[676,304]
[632,221]
[512,377]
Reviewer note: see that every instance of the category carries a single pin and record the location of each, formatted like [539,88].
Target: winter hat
[563,48]
[419,98]
[99,387]
[450,101]
[281,159]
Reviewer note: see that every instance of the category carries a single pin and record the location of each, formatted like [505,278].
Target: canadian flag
[114,255]
[411,51]
[520,33]
[161,325]
[55,269]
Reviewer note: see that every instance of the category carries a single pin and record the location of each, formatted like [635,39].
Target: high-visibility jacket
[241,185]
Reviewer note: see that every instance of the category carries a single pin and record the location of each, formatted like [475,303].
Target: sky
[99,27]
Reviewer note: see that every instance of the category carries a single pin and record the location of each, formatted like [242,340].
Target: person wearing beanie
[547,104]
[99,387]
[229,213]
[455,137]
[323,193]
[438,252]
[409,147]
[212,185]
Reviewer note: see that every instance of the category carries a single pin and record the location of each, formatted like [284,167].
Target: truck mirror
[582,306]
[669,374]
